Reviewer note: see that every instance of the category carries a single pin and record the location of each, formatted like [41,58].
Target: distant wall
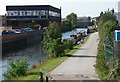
[4,28]
[13,42]
[0,20]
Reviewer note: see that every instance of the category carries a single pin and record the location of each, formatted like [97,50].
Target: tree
[69,23]
[66,26]
[89,19]
[73,19]
[52,41]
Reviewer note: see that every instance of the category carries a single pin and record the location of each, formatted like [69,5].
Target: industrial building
[33,16]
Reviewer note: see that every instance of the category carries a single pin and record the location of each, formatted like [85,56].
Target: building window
[58,15]
[18,13]
[47,13]
[8,13]
[23,13]
[34,13]
[43,13]
[37,13]
[15,13]
[52,13]
[29,13]
[12,13]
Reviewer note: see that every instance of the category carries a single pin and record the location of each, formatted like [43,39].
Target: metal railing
[109,52]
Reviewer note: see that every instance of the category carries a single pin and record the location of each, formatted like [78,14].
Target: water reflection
[33,54]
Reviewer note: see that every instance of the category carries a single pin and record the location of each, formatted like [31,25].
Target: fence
[117,48]
[109,52]
[112,51]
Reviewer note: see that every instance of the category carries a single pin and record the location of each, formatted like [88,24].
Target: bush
[52,41]
[101,66]
[16,68]
[114,68]
[69,44]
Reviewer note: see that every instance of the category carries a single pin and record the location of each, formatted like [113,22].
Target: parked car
[8,32]
[17,30]
[27,30]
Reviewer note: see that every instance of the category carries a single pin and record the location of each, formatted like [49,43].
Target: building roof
[31,7]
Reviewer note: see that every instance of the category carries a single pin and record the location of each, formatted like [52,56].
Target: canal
[34,54]
[67,34]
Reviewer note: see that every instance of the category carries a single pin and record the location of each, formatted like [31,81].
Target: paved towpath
[80,66]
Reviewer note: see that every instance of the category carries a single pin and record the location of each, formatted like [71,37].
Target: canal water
[67,34]
[33,54]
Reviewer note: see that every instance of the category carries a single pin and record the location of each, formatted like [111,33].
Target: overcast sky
[80,7]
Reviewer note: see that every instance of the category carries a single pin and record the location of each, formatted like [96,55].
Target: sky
[80,7]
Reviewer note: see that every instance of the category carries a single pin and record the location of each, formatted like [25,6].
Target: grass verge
[49,64]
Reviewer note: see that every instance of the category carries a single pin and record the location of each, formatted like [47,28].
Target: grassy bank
[49,64]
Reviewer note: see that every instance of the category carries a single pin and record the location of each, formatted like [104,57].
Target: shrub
[69,44]
[106,26]
[114,68]
[16,68]
[52,41]
[101,66]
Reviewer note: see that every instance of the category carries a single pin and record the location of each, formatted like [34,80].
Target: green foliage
[69,23]
[69,44]
[101,67]
[73,19]
[16,68]
[114,68]
[52,41]
[106,25]
[104,17]
[66,26]
[53,31]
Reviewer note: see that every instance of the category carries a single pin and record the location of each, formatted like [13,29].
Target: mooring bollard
[41,76]
[42,79]
[47,79]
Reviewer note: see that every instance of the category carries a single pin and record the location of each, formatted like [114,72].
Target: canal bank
[49,64]
[34,54]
